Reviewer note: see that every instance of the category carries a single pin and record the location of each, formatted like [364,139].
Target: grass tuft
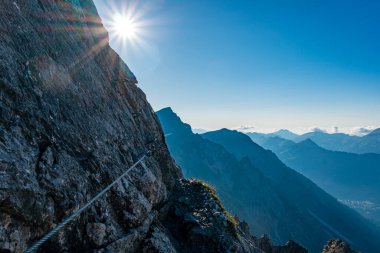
[231,220]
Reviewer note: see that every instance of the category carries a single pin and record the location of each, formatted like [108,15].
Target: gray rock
[158,241]
[338,246]
[67,131]
[203,232]
[96,232]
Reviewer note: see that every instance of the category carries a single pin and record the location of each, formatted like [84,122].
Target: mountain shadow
[352,178]
[256,185]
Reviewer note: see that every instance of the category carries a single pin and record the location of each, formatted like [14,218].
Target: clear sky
[266,64]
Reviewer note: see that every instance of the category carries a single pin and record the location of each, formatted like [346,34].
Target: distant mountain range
[286,134]
[256,185]
[199,130]
[369,143]
[353,178]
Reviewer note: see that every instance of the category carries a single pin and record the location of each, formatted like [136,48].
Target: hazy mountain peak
[308,143]
[174,122]
[286,134]
[343,142]
[285,131]
[167,109]
[374,133]
[232,136]
[199,130]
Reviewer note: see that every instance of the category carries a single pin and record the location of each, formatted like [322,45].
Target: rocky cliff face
[73,120]
[69,127]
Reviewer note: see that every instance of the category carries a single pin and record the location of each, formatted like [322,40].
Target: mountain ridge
[369,143]
[349,177]
[187,149]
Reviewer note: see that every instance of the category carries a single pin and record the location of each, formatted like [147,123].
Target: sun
[125,27]
[129,25]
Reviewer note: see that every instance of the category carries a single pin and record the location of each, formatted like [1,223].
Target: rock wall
[72,120]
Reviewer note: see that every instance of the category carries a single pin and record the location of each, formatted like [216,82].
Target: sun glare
[125,27]
[129,25]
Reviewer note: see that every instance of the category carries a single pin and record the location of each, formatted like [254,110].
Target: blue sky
[265,64]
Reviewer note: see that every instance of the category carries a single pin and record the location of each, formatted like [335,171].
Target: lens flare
[125,27]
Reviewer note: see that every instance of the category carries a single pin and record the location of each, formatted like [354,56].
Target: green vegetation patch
[212,191]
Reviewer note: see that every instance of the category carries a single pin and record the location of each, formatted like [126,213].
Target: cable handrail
[37,244]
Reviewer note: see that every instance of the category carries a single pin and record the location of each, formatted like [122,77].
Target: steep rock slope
[67,129]
[73,120]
